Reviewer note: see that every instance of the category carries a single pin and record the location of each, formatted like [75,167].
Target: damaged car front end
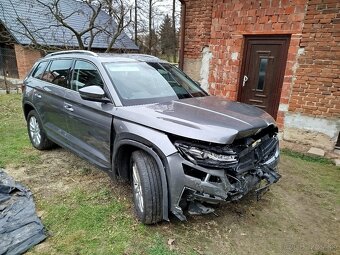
[142,119]
[212,150]
[214,173]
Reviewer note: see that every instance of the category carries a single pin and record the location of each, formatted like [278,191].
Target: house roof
[48,31]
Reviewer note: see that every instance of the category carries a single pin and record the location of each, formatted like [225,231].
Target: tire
[146,187]
[36,133]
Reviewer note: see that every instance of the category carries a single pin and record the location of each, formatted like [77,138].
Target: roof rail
[72,52]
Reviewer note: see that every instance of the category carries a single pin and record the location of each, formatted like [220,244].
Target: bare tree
[54,9]
[150,27]
[120,13]
[112,25]
[140,24]
[5,37]
[136,22]
[174,30]
[23,28]
[153,14]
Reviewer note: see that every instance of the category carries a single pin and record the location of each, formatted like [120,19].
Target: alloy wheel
[137,188]
[35,131]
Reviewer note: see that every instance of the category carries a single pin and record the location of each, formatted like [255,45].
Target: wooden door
[263,66]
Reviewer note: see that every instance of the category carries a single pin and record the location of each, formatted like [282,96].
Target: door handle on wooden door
[245,79]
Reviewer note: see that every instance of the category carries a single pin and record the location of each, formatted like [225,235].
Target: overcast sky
[165,6]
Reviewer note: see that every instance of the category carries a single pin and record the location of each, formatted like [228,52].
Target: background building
[280,55]
[30,28]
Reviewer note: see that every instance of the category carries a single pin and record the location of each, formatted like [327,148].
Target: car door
[89,122]
[48,98]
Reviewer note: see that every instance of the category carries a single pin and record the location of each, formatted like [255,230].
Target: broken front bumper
[191,182]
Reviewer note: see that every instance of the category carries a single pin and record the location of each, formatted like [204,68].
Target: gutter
[182,42]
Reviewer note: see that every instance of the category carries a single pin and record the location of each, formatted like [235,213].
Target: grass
[306,157]
[84,221]
[320,169]
[92,222]
[14,146]
[85,214]
[88,222]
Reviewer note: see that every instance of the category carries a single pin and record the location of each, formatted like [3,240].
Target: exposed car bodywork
[212,150]
[206,149]
[246,163]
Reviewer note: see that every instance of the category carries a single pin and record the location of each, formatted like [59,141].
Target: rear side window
[58,72]
[85,74]
[39,70]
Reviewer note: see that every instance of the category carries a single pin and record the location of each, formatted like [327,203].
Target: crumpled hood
[210,119]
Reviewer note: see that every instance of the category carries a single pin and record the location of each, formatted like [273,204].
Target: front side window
[144,83]
[85,74]
[58,72]
[39,70]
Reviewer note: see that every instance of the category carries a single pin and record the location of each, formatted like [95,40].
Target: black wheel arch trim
[34,109]
[161,166]
[31,105]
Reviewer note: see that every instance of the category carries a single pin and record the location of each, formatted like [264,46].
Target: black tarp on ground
[20,227]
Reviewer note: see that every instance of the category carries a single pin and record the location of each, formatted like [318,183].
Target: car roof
[106,57]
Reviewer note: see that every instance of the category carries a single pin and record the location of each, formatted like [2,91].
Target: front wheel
[147,187]
[36,133]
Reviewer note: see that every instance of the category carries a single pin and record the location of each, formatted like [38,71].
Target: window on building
[58,72]
[262,73]
[85,74]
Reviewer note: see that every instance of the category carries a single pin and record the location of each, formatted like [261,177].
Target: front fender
[155,139]
[161,167]
[152,141]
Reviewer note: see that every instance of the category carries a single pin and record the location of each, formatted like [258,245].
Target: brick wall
[316,90]
[310,97]
[197,34]
[198,26]
[25,59]
[230,21]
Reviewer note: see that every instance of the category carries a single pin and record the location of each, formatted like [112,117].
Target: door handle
[245,79]
[37,95]
[68,107]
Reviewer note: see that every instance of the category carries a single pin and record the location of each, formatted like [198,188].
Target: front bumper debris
[256,170]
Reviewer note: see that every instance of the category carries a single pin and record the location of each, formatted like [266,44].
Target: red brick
[289,9]
[315,84]
[26,58]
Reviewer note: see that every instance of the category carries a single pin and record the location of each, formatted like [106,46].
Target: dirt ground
[299,215]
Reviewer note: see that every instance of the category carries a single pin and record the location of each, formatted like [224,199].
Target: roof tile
[48,31]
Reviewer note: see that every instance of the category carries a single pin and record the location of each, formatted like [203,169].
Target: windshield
[145,83]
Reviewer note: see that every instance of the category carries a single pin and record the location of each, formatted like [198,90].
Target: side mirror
[93,93]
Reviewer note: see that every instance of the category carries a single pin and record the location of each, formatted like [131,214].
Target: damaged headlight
[206,157]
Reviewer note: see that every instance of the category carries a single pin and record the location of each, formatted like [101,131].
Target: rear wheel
[147,187]
[36,133]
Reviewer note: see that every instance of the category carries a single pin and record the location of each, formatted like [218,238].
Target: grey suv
[141,119]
